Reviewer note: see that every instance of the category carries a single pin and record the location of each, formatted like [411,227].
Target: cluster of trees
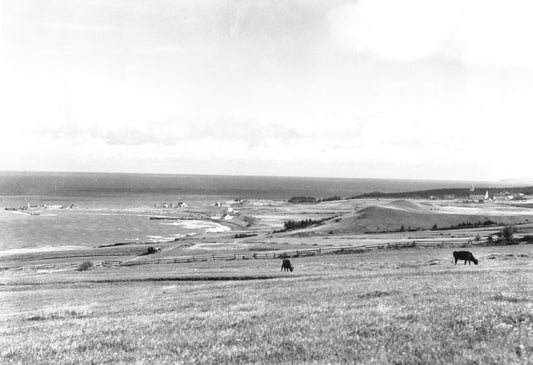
[487,222]
[244,235]
[330,199]
[505,236]
[311,199]
[409,229]
[302,199]
[290,225]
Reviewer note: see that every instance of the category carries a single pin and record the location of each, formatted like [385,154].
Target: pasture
[406,306]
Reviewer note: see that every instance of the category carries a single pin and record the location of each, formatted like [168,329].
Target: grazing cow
[286,265]
[464,255]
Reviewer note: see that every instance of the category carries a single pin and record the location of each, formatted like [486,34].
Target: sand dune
[408,205]
[391,216]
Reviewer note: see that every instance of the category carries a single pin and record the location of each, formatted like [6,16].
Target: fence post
[320,251]
[213,257]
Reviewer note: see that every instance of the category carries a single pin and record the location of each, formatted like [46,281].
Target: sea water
[90,209]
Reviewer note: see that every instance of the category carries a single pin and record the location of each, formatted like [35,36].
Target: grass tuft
[377,294]
[61,313]
[507,298]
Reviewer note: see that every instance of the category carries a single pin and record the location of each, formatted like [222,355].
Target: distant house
[508,196]
[448,197]
[503,196]
[480,198]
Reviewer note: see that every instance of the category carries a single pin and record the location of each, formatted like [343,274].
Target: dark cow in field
[464,255]
[286,265]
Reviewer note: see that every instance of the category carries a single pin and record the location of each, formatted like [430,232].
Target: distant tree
[289,225]
[490,240]
[478,237]
[507,234]
[402,228]
[435,227]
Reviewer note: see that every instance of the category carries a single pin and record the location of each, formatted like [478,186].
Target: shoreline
[42,249]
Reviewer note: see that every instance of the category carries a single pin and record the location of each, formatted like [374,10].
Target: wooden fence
[298,253]
[250,255]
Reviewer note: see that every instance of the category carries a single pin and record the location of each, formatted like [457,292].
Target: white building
[479,197]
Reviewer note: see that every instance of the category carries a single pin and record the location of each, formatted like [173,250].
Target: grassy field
[407,306]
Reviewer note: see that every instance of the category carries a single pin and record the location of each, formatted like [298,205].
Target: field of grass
[408,306]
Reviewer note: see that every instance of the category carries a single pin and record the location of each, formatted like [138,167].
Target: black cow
[286,265]
[464,255]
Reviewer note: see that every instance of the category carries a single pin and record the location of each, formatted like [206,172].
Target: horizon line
[510,180]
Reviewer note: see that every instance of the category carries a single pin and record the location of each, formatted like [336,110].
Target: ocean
[90,209]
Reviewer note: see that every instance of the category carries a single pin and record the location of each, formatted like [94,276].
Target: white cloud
[266,87]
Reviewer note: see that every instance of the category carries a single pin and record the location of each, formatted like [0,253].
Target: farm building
[479,197]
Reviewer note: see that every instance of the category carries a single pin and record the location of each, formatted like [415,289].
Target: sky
[416,89]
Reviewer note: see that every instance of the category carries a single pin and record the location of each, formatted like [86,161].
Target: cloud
[251,133]
[472,32]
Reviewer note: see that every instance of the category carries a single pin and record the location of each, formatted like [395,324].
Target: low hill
[392,216]
[459,193]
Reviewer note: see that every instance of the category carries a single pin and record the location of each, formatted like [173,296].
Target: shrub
[244,235]
[151,250]
[302,199]
[478,238]
[84,266]
[330,199]
[507,234]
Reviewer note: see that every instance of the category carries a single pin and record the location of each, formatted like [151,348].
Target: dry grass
[391,307]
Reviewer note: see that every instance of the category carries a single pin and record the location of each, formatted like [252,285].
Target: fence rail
[252,256]
[297,253]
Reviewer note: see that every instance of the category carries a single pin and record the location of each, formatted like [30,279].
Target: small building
[503,196]
[508,196]
[480,198]
[448,197]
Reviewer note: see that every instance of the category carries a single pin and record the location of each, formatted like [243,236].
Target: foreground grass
[394,307]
